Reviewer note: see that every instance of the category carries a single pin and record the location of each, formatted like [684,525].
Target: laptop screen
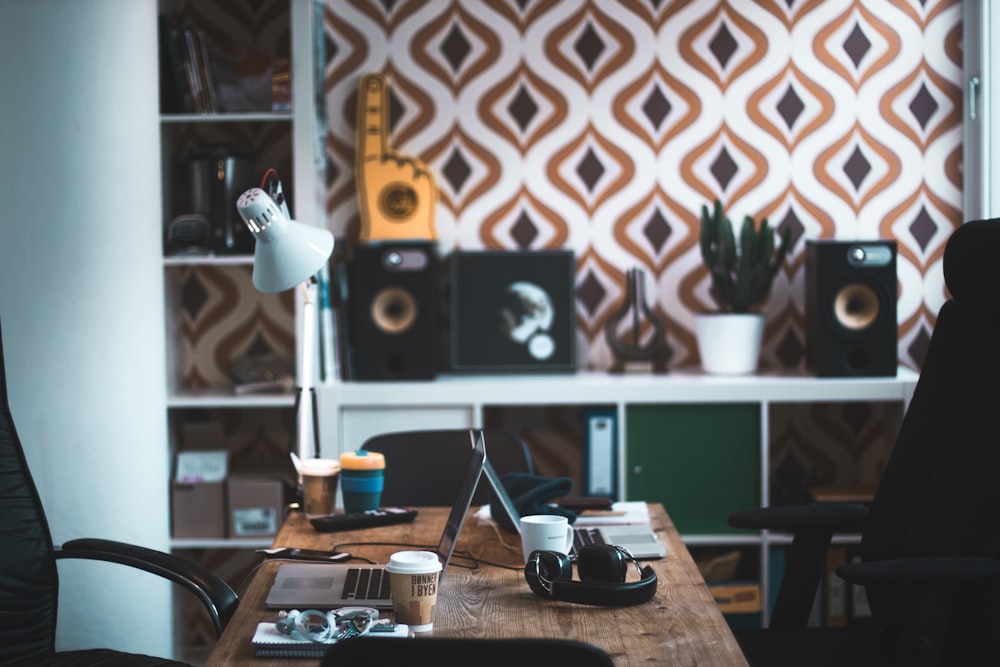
[462,501]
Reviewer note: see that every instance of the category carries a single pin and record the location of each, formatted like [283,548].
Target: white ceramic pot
[729,344]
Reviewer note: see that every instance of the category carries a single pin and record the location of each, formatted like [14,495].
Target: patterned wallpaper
[603,125]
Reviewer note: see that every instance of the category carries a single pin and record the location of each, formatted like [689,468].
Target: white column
[81,297]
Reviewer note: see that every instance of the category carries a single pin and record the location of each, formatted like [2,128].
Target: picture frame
[512,311]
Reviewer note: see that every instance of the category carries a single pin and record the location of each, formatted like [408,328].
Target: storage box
[197,494]
[198,509]
[255,505]
[737,598]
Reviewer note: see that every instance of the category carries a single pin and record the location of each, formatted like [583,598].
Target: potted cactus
[742,272]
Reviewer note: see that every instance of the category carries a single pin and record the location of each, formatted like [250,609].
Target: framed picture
[513,311]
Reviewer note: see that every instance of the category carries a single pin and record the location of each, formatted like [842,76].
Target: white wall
[81,289]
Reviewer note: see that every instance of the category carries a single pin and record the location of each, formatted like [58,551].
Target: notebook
[332,585]
[639,539]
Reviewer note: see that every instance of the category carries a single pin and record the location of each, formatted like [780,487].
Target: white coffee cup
[413,584]
[545,532]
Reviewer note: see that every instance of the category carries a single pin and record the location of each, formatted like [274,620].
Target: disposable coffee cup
[319,485]
[413,584]
[362,478]
[545,532]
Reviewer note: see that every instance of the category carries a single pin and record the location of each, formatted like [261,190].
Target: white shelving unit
[300,125]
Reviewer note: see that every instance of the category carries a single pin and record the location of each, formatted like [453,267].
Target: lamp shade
[286,252]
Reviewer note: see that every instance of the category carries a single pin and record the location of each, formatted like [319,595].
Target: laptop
[505,504]
[334,585]
[638,539]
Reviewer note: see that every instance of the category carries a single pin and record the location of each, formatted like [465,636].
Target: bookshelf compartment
[702,461]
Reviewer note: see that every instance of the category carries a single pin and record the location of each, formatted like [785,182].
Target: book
[173,79]
[205,73]
[836,588]
[621,513]
[328,352]
[269,642]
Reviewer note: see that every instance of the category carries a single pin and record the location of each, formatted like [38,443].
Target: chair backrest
[939,494]
[444,651]
[425,467]
[29,594]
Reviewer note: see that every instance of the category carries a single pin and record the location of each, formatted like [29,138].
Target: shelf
[722,540]
[785,539]
[681,386]
[229,117]
[221,398]
[208,260]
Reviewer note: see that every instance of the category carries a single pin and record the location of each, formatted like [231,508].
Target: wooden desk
[681,625]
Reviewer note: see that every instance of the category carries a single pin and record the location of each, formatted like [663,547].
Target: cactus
[741,275]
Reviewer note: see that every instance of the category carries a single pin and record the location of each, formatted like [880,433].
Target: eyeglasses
[327,627]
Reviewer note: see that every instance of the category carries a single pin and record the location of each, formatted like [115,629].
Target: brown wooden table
[681,625]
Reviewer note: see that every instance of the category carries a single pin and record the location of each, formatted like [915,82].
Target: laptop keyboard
[584,536]
[366,583]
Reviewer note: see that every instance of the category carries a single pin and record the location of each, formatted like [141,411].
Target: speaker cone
[856,306]
[394,310]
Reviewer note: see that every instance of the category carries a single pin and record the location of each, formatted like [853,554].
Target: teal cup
[362,477]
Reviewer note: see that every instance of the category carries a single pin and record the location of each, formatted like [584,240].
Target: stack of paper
[624,513]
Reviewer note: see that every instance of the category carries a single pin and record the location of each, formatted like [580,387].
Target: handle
[973,89]
[569,540]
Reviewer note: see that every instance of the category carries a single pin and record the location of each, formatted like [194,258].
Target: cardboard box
[256,505]
[197,494]
[198,509]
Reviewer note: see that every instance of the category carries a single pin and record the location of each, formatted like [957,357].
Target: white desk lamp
[286,254]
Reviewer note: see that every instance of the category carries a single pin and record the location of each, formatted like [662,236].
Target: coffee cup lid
[413,562]
[319,467]
[362,460]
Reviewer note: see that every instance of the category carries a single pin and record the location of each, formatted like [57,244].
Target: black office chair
[449,652]
[29,583]
[930,547]
[426,467]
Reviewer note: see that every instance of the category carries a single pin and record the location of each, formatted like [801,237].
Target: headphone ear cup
[602,563]
[544,568]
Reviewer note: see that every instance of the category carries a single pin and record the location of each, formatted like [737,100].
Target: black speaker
[851,328]
[216,177]
[602,569]
[392,310]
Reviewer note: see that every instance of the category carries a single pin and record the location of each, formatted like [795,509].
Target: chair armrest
[813,527]
[922,571]
[833,517]
[218,597]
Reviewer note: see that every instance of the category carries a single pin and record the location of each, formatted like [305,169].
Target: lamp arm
[307,423]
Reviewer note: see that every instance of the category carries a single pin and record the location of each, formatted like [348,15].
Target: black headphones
[602,569]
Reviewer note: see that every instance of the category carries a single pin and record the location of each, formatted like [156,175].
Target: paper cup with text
[319,485]
[545,532]
[413,583]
